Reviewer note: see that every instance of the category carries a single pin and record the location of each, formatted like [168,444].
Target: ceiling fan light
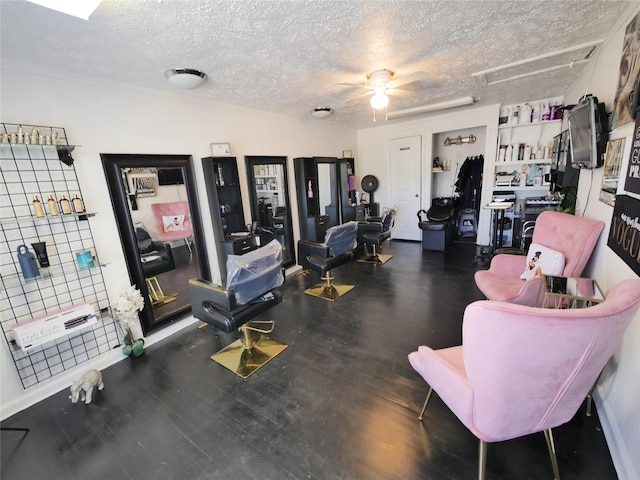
[185,78]
[321,112]
[380,99]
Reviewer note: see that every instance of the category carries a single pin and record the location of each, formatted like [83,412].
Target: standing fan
[369,184]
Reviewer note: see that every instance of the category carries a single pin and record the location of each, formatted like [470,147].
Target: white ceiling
[289,56]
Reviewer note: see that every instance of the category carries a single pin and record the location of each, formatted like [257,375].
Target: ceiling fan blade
[359,85]
[412,77]
[399,92]
[357,96]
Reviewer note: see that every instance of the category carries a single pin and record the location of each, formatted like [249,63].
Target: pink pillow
[543,260]
[173,223]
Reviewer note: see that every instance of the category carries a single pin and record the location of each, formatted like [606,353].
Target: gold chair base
[328,292]
[377,258]
[156,295]
[243,360]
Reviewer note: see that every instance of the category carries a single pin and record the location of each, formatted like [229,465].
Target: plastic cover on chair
[342,238]
[255,273]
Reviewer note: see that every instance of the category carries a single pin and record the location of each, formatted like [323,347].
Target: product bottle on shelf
[37,206]
[309,190]
[525,114]
[220,177]
[546,113]
[65,205]
[508,157]
[78,204]
[53,206]
[535,114]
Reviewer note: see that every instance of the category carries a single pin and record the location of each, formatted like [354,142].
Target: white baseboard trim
[43,390]
[622,458]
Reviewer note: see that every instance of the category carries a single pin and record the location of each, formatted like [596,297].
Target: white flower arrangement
[129,303]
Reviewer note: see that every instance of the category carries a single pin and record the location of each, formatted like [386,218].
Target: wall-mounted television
[588,133]
[170,176]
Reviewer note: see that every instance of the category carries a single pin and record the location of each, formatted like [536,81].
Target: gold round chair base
[244,361]
[328,292]
[378,258]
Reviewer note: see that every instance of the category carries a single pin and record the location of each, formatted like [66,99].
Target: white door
[405,181]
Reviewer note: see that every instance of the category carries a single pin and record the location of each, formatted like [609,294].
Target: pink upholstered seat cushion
[526,369]
[575,237]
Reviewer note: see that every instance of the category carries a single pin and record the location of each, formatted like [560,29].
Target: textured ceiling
[290,56]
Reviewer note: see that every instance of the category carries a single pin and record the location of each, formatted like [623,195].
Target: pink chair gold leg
[426,402]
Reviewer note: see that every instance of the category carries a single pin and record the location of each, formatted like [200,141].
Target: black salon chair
[438,224]
[374,234]
[337,249]
[250,290]
[156,258]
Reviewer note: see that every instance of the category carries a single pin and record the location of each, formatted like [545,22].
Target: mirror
[270,204]
[156,207]
[328,189]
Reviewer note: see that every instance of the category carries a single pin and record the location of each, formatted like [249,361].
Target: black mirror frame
[252,160]
[112,164]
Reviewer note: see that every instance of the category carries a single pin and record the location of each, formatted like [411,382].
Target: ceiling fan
[382,83]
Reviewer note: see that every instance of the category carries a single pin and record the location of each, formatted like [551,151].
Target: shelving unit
[35,169]
[508,175]
[268,183]
[225,204]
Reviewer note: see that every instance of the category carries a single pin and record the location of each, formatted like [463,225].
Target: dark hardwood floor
[340,403]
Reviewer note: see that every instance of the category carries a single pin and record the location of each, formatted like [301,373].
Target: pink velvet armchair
[173,221]
[522,370]
[575,237]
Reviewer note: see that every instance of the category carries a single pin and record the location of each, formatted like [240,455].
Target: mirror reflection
[156,208]
[270,206]
[326,187]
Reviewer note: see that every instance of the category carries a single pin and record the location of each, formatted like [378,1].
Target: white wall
[104,117]
[373,148]
[619,387]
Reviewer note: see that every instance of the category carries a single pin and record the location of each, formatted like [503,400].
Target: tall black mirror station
[270,205]
[156,207]
[317,195]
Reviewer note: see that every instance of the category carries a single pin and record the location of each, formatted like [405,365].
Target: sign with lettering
[624,234]
[632,182]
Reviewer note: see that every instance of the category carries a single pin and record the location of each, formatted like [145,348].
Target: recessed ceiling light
[76,8]
[321,112]
[185,78]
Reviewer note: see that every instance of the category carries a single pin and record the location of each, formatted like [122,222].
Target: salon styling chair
[374,234]
[438,224]
[522,370]
[337,249]
[156,258]
[251,289]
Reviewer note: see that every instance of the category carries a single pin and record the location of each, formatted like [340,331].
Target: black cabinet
[225,204]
